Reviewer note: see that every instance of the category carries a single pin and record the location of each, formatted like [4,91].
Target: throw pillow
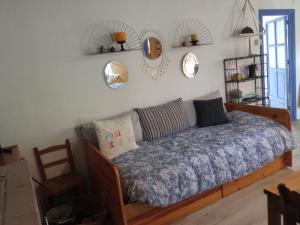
[190,109]
[210,112]
[115,136]
[162,120]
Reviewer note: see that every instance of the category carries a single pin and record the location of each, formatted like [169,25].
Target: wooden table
[20,203]
[274,204]
[8,158]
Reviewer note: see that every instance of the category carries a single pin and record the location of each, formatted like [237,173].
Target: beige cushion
[190,109]
[115,136]
[137,128]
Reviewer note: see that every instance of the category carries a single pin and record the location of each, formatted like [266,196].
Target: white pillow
[115,136]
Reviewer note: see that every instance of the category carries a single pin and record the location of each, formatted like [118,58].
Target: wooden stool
[59,185]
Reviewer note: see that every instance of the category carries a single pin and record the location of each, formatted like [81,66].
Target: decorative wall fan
[192,33]
[104,38]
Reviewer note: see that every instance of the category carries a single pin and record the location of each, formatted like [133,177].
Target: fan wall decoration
[112,36]
[192,33]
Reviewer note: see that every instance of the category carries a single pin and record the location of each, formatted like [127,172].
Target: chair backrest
[42,167]
[291,205]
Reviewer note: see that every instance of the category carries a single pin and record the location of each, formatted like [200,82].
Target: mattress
[171,169]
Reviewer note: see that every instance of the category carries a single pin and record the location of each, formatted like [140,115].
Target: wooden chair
[291,205]
[56,186]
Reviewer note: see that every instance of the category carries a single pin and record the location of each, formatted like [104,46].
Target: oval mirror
[152,48]
[115,75]
[190,65]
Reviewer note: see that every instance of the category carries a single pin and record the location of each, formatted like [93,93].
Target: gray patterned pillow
[162,120]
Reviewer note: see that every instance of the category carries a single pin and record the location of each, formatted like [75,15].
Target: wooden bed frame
[105,178]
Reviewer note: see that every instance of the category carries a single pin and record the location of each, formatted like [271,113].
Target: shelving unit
[247,89]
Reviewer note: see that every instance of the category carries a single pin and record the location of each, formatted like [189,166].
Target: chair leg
[82,186]
[44,200]
[80,189]
[289,219]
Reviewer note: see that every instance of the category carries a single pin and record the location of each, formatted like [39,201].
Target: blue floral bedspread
[169,170]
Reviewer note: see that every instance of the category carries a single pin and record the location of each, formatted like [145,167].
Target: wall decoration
[152,48]
[115,75]
[248,27]
[192,33]
[112,36]
[154,53]
[190,65]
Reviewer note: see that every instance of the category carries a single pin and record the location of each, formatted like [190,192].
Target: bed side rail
[282,116]
[105,178]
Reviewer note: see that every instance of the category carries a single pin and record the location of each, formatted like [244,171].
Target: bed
[216,172]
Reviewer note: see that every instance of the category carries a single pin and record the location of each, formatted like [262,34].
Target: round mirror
[116,75]
[152,48]
[190,65]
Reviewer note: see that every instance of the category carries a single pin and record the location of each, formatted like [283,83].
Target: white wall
[47,86]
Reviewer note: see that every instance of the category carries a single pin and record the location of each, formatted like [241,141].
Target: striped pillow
[162,120]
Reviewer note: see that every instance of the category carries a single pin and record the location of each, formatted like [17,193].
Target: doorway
[279,45]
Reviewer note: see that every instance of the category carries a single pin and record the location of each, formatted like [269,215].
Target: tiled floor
[246,207]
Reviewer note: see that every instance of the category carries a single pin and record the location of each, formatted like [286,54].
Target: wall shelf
[192,46]
[101,38]
[246,79]
[104,53]
[188,28]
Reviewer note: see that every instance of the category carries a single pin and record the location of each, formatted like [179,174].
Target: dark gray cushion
[190,109]
[210,112]
[162,120]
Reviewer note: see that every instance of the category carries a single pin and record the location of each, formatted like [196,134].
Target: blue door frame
[290,13]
